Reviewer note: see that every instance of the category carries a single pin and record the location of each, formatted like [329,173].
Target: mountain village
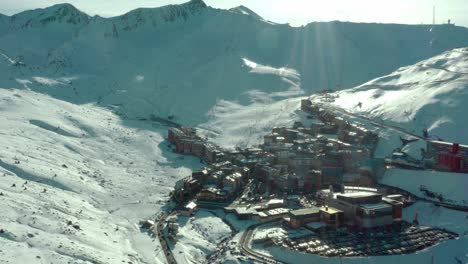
[207,133]
[317,183]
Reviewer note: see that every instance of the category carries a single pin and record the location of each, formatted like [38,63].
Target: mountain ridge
[241,9]
[59,12]
[81,107]
[191,5]
[168,13]
[156,55]
[56,13]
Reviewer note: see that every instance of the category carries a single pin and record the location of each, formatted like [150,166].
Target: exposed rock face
[156,16]
[61,13]
[200,55]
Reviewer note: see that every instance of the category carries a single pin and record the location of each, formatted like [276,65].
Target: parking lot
[387,240]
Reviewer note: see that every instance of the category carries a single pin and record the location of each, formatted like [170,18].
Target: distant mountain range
[179,60]
[81,165]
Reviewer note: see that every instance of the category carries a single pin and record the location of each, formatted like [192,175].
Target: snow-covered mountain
[430,94]
[61,13]
[199,55]
[81,164]
[75,180]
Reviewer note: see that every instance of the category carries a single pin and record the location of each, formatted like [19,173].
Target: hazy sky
[295,12]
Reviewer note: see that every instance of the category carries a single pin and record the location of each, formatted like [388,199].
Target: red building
[174,135]
[450,161]
[187,141]
[448,156]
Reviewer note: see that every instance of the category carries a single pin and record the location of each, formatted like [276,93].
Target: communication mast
[433,15]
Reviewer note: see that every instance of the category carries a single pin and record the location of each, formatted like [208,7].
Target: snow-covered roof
[357,194]
[394,196]
[449,144]
[262,214]
[375,206]
[172,218]
[277,211]
[275,202]
[330,210]
[305,211]
[245,210]
[190,206]
[347,188]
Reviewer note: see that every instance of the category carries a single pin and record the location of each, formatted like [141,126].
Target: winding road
[246,250]
[158,230]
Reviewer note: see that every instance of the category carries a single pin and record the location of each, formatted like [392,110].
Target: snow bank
[199,236]
[452,186]
[77,179]
[234,125]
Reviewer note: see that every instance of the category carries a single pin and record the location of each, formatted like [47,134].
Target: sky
[294,12]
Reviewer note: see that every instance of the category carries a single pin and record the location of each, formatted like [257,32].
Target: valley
[86,103]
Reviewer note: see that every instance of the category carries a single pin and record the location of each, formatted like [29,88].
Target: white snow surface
[119,171]
[61,162]
[428,95]
[234,125]
[76,110]
[199,236]
[180,60]
[452,186]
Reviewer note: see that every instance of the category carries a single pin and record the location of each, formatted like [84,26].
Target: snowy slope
[60,13]
[76,117]
[245,11]
[180,60]
[199,237]
[233,125]
[452,186]
[63,165]
[431,94]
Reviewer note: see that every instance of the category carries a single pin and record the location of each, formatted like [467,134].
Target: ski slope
[82,161]
[180,60]
[428,95]
[199,236]
[431,95]
[63,165]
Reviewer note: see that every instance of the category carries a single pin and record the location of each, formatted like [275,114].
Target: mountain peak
[61,13]
[158,15]
[63,6]
[196,4]
[243,10]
